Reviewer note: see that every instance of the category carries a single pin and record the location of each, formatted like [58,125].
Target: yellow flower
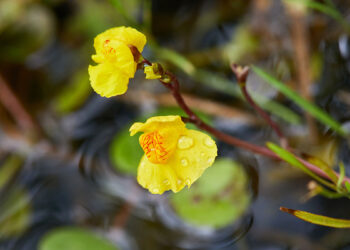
[152,72]
[115,60]
[174,155]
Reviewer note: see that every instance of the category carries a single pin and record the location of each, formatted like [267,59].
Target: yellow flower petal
[157,178]
[120,56]
[172,122]
[195,152]
[126,35]
[160,137]
[107,80]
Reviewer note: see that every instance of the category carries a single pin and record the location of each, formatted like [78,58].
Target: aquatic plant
[175,156]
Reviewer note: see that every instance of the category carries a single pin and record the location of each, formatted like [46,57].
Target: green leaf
[73,238]
[177,59]
[347,185]
[318,219]
[74,94]
[15,213]
[315,111]
[214,203]
[9,169]
[292,160]
[125,152]
[341,175]
[324,167]
[329,194]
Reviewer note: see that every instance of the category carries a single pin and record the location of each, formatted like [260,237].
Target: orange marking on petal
[152,145]
[108,49]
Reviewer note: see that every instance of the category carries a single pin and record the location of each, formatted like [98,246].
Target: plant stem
[13,105]
[241,75]
[193,118]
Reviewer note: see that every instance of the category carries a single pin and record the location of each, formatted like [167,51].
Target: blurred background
[68,164]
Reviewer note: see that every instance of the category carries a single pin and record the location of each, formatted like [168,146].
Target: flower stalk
[241,73]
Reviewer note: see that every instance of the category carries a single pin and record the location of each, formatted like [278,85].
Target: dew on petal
[155,190]
[209,142]
[210,160]
[179,181]
[202,154]
[188,182]
[166,182]
[184,142]
[184,162]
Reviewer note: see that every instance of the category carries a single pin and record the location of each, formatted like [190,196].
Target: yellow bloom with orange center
[174,155]
[115,61]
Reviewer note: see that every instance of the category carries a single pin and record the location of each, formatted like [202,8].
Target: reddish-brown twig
[193,118]
[9,100]
[241,75]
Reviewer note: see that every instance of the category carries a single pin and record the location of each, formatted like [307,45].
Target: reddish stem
[193,118]
[261,112]
[10,101]
[241,75]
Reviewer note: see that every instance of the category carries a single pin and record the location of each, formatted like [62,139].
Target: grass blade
[292,160]
[327,8]
[341,174]
[312,109]
[318,219]
[347,186]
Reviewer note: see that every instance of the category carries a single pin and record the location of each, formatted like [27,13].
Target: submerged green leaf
[318,219]
[74,238]
[214,203]
[125,152]
[315,111]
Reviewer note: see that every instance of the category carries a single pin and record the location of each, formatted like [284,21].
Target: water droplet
[179,181]
[202,154]
[209,142]
[166,182]
[155,191]
[184,162]
[184,142]
[188,182]
[210,160]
